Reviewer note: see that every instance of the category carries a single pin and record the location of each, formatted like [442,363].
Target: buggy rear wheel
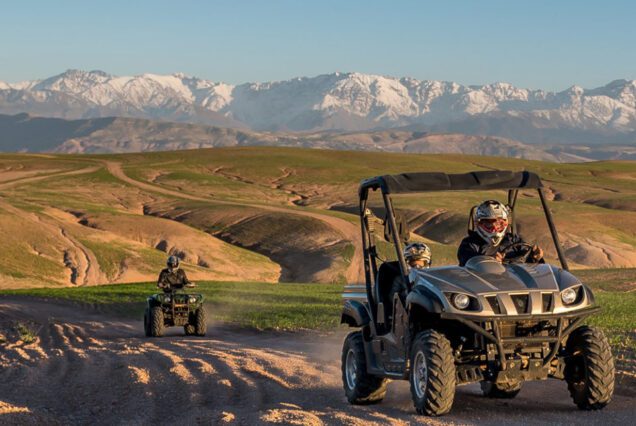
[360,387]
[432,374]
[156,321]
[501,390]
[589,368]
[200,324]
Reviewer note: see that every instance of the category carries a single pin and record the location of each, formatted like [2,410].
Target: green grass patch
[262,306]
[286,306]
[111,256]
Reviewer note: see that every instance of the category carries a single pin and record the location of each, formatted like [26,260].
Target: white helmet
[491,221]
[418,251]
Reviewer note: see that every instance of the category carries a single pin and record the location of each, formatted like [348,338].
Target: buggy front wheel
[589,368]
[432,374]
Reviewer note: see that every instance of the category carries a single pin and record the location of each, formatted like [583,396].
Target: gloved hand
[190,285]
[537,253]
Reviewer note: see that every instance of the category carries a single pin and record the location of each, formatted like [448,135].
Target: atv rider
[491,235]
[418,256]
[173,277]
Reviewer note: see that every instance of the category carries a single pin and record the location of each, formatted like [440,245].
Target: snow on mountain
[341,101]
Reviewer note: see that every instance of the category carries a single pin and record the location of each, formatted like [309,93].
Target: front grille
[494,304]
[521,303]
[546,299]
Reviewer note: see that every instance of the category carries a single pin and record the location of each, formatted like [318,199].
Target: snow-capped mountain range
[339,101]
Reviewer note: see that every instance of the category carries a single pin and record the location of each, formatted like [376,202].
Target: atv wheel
[147,322]
[503,391]
[189,329]
[156,322]
[589,368]
[360,387]
[200,325]
[432,374]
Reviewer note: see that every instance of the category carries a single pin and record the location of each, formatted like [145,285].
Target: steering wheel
[525,250]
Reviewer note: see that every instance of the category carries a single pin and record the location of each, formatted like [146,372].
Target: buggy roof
[425,182]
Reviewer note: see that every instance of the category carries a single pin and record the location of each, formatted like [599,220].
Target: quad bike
[175,308]
[496,323]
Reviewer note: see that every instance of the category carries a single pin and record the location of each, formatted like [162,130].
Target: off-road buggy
[499,324]
[175,308]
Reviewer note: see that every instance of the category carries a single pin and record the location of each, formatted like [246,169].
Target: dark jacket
[473,245]
[172,280]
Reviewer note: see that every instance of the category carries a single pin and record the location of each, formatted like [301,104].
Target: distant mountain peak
[347,101]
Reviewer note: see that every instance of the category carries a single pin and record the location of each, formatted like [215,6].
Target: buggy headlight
[192,299]
[568,296]
[461,301]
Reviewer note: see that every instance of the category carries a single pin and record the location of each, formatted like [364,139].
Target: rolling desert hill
[25,133]
[270,214]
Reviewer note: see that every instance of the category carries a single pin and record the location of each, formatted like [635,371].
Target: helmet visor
[493,225]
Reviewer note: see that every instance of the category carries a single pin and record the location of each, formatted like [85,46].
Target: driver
[418,256]
[173,277]
[491,235]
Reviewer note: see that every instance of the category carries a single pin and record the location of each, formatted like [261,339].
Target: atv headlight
[568,296]
[461,301]
[192,299]
[166,299]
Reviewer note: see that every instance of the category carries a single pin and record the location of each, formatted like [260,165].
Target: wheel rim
[351,369]
[420,375]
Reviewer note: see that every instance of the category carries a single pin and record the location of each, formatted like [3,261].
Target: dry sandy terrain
[349,231]
[87,367]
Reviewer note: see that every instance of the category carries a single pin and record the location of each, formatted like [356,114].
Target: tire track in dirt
[349,231]
[32,179]
[81,262]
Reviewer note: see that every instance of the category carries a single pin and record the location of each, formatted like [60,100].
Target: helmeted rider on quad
[490,234]
[173,277]
[418,256]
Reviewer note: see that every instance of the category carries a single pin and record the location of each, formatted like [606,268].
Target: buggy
[496,323]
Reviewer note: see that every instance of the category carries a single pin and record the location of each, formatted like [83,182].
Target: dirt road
[87,367]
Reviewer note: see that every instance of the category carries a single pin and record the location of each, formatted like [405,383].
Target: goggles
[493,225]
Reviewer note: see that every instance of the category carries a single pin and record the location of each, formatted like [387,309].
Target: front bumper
[490,328]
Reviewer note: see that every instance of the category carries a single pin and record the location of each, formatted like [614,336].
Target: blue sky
[535,44]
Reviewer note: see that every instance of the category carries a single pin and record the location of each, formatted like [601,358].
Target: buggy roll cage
[436,182]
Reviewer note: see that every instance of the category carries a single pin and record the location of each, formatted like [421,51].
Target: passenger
[418,256]
[173,277]
[491,235]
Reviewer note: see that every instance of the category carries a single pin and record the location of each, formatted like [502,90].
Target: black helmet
[173,262]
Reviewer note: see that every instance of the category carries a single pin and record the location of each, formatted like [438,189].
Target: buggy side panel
[355,314]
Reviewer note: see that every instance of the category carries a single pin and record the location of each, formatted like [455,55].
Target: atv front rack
[475,323]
